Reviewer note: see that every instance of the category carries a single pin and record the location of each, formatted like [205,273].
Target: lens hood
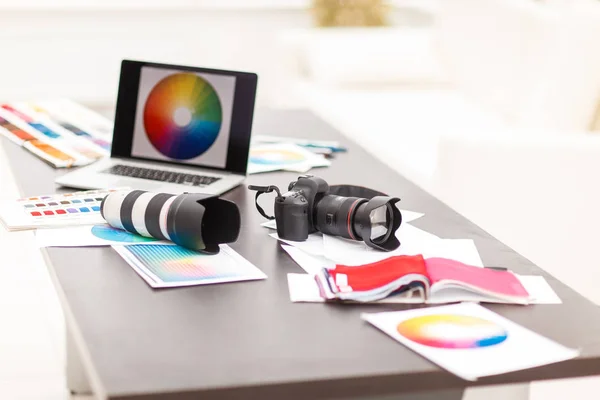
[363,225]
[202,222]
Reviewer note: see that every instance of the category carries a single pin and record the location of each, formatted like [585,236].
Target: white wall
[75,51]
[73,48]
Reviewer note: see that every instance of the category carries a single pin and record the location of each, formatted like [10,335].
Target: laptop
[177,129]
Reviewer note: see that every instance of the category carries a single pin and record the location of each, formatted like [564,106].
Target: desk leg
[500,392]
[77,381]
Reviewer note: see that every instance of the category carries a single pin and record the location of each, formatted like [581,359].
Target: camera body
[294,209]
[307,207]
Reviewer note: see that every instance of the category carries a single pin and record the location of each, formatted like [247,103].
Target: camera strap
[261,190]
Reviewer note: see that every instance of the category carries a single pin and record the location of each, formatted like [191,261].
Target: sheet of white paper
[89,235]
[539,289]
[271,224]
[311,264]
[463,250]
[174,266]
[353,252]
[313,245]
[304,289]
[412,241]
[469,340]
[407,216]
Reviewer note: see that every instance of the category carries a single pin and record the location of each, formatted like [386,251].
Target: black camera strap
[261,190]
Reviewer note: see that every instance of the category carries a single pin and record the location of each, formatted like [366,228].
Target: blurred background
[491,105]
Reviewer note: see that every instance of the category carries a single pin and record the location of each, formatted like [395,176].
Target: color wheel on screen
[452,331]
[118,235]
[182,116]
[275,157]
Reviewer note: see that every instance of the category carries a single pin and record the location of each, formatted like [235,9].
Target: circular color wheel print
[118,235]
[182,116]
[450,331]
[271,157]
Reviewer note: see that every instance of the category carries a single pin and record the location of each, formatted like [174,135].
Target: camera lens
[335,216]
[374,221]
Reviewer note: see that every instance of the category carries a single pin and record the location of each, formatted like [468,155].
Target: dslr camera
[308,207]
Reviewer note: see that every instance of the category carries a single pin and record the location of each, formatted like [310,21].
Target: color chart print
[276,157]
[450,331]
[51,206]
[118,235]
[170,265]
[77,208]
[182,116]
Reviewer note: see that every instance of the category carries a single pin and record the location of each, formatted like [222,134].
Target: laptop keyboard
[160,175]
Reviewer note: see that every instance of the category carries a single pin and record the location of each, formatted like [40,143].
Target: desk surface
[247,339]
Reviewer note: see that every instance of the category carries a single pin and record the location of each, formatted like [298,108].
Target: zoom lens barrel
[195,221]
[373,221]
[335,216]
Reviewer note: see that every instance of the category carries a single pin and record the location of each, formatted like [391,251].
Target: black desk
[247,340]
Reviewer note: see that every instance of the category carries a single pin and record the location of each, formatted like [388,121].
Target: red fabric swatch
[501,282]
[380,273]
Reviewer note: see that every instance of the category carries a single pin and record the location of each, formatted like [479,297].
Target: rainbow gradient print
[182,116]
[451,331]
[118,235]
[172,263]
[275,157]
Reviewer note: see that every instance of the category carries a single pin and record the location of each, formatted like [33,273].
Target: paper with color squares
[469,340]
[90,235]
[54,210]
[172,266]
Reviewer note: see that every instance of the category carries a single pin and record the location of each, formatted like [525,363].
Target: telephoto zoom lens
[373,221]
[195,221]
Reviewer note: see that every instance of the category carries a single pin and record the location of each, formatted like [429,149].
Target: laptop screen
[183,115]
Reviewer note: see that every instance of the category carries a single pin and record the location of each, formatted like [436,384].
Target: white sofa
[483,67]
[538,194]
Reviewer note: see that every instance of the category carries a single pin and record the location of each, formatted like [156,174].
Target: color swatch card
[56,140]
[283,157]
[89,235]
[54,210]
[172,266]
[469,340]
[62,109]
